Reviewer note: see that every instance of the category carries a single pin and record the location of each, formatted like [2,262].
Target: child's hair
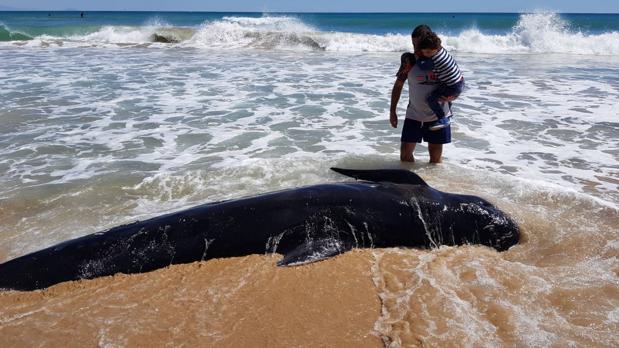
[420,30]
[429,41]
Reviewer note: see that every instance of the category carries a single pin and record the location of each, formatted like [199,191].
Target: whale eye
[489,228]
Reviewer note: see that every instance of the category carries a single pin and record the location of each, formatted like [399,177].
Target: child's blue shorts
[415,131]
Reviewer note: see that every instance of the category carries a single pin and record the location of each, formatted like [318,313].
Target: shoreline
[232,302]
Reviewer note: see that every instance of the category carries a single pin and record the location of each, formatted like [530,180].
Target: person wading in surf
[419,116]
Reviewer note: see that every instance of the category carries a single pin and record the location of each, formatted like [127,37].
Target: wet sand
[467,296]
[237,302]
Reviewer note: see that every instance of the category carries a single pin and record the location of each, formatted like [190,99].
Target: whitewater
[533,33]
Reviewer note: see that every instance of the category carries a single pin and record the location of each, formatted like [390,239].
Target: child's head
[429,44]
[417,33]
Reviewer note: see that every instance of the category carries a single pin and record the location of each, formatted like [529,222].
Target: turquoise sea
[33,24]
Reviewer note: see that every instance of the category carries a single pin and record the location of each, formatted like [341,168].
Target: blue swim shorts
[414,131]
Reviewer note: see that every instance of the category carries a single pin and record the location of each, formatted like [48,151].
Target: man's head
[418,32]
[429,44]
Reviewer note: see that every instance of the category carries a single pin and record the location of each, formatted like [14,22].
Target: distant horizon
[320,6]
[4,9]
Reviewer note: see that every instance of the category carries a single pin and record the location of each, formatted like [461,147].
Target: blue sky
[597,6]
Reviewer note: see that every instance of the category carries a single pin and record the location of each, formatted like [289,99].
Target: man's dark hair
[420,30]
[407,58]
[429,41]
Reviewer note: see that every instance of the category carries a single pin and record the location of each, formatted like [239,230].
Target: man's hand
[448,99]
[393,119]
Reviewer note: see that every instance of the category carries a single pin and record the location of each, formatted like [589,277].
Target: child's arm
[448,99]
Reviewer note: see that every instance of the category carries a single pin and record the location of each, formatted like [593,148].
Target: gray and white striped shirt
[446,68]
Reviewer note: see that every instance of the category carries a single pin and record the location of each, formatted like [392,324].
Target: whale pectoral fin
[313,251]
[396,176]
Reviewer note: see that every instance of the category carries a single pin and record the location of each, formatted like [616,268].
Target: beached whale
[389,208]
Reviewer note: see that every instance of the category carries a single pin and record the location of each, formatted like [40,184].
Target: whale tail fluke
[396,176]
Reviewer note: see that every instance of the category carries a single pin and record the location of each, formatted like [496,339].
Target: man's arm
[396,92]
[407,60]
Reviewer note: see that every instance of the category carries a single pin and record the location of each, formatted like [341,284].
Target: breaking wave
[533,33]
[537,33]
[8,35]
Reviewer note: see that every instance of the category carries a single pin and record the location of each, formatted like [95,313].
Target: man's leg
[406,152]
[411,135]
[436,152]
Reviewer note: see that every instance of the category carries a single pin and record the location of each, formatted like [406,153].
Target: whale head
[474,220]
[446,218]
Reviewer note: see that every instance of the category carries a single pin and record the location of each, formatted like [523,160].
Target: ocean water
[101,124]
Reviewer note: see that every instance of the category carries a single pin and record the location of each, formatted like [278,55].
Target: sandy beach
[237,302]
[364,298]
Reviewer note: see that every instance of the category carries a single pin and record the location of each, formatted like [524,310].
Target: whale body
[387,208]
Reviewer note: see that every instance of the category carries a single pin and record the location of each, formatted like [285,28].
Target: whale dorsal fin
[396,176]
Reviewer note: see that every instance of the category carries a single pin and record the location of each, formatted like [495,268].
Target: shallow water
[558,287]
[101,130]
[96,137]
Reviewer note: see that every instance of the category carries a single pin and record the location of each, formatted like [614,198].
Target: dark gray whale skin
[389,208]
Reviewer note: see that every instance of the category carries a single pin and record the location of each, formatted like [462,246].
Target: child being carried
[447,72]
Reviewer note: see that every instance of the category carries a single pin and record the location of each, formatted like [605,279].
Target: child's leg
[433,101]
[443,91]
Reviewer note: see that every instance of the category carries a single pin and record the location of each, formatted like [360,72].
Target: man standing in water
[419,115]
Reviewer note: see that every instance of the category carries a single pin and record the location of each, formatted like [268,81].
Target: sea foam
[533,34]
